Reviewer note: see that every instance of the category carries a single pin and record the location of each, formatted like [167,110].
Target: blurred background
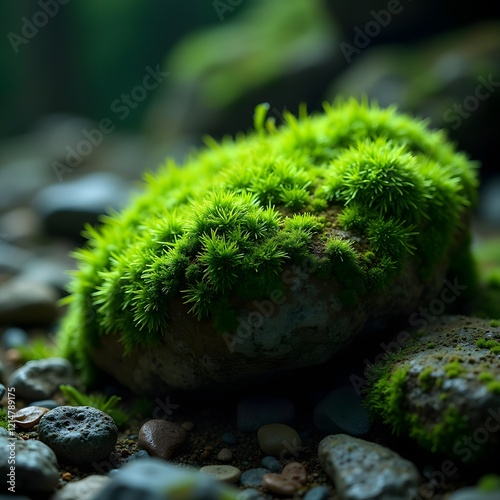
[93,93]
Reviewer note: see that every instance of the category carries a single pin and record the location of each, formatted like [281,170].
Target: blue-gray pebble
[2,391]
[318,493]
[139,455]
[14,337]
[250,494]
[78,434]
[272,464]
[253,477]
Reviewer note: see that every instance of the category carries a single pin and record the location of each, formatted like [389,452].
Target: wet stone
[225,473]
[85,489]
[318,493]
[253,477]
[161,438]
[225,455]
[288,482]
[279,440]
[78,434]
[272,464]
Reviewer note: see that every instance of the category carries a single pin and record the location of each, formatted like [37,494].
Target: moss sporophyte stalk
[357,190]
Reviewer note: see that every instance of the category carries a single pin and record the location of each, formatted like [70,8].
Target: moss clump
[4,421]
[454,369]
[491,344]
[224,225]
[425,380]
[495,323]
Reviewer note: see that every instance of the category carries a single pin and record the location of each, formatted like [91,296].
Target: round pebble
[279,440]
[139,455]
[225,455]
[78,434]
[45,403]
[229,439]
[250,494]
[294,476]
[14,337]
[318,493]
[225,473]
[85,489]
[253,477]
[28,417]
[161,438]
[272,464]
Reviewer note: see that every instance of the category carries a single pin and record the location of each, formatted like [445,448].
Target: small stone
[14,337]
[272,464]
[13,356]
[362,470]
[85,489]
[341,412]
[78,434]
[50,404]
[225,455]
[254,412]
[229,439]
[36,464]
[28,417]
[296,472]
[253,477]
[2,391]
[318,493]
[67,476]
[161,438]
[294,476]
[250,494]
[41,378]
[153,479]
[139,455]
[25,302]
[225,473]
[279,440]
[187,426]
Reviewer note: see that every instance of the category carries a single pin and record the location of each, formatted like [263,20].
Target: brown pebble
[225,455]
[29,417]
[295,471]
[292,477]
[66,476]
[187,426]
[161,438]
[13,356]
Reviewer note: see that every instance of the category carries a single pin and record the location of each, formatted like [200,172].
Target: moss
[491,344]
[425,380]
[490,482]
[240,210]
[494,386]
[454,369]
[495,323]
[38,349]
[485,377]
[4,421]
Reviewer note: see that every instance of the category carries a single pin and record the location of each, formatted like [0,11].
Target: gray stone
[318,493]
[48,272]
[225,473]
[39,379]
[155,479]
[12,258]
[362,470]
[26,302]
[14,337]
[250,494]
[2,391]
[78,434]
[45,403]
[272,464]
[85,489]
[341,411]
[35,464]
[253,477]
[139,455]
[256,411]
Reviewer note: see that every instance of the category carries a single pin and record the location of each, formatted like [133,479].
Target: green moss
[4,421]
[494,387]
[485,377]
[454,369]
[491,344]
[425,380]
[490,482]
[38,349]
[494,323]
[225,224]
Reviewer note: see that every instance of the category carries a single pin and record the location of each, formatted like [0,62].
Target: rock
[341,411]
[225,455]
[48,272]
[39,379]
[21,226]
[27,418]
[14,337]
[253,477]
[12,258]
[256,411]
[155,479]
[362,470]
[84,489]
[489,201]
[318,493]
[161,438]
[45,403]
[250,494]
[25,302]
[78,434]
[272,464]
[228,438]
[139,455]
[448,372]
[67,206]
[294,476]
[279,440]
[225,473]
[2,391]
[35,464]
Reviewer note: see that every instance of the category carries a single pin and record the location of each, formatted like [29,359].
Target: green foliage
[4,421]
[38,349]
[491,344]
[108,405]
[490,482]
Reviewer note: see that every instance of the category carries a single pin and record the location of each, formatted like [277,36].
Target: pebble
[153,479]
[78,434]
[253,477]
[250,494]
[161,438]
[225,455]
[362,470]
[48,272]
[26,302]
[187,426]
[229,439]
[226,473]
[2,391]
[256,411]
[279,440]
[139,455]
[272,464]
[45,403]
[41,378]
[14,337]
[294,476]
[12,258]
[341,412]
[318,493]
[474,494]
[85,489]
[36,464]
[27,418]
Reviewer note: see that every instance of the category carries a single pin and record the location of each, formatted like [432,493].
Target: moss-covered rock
[443,387]
[270,250]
